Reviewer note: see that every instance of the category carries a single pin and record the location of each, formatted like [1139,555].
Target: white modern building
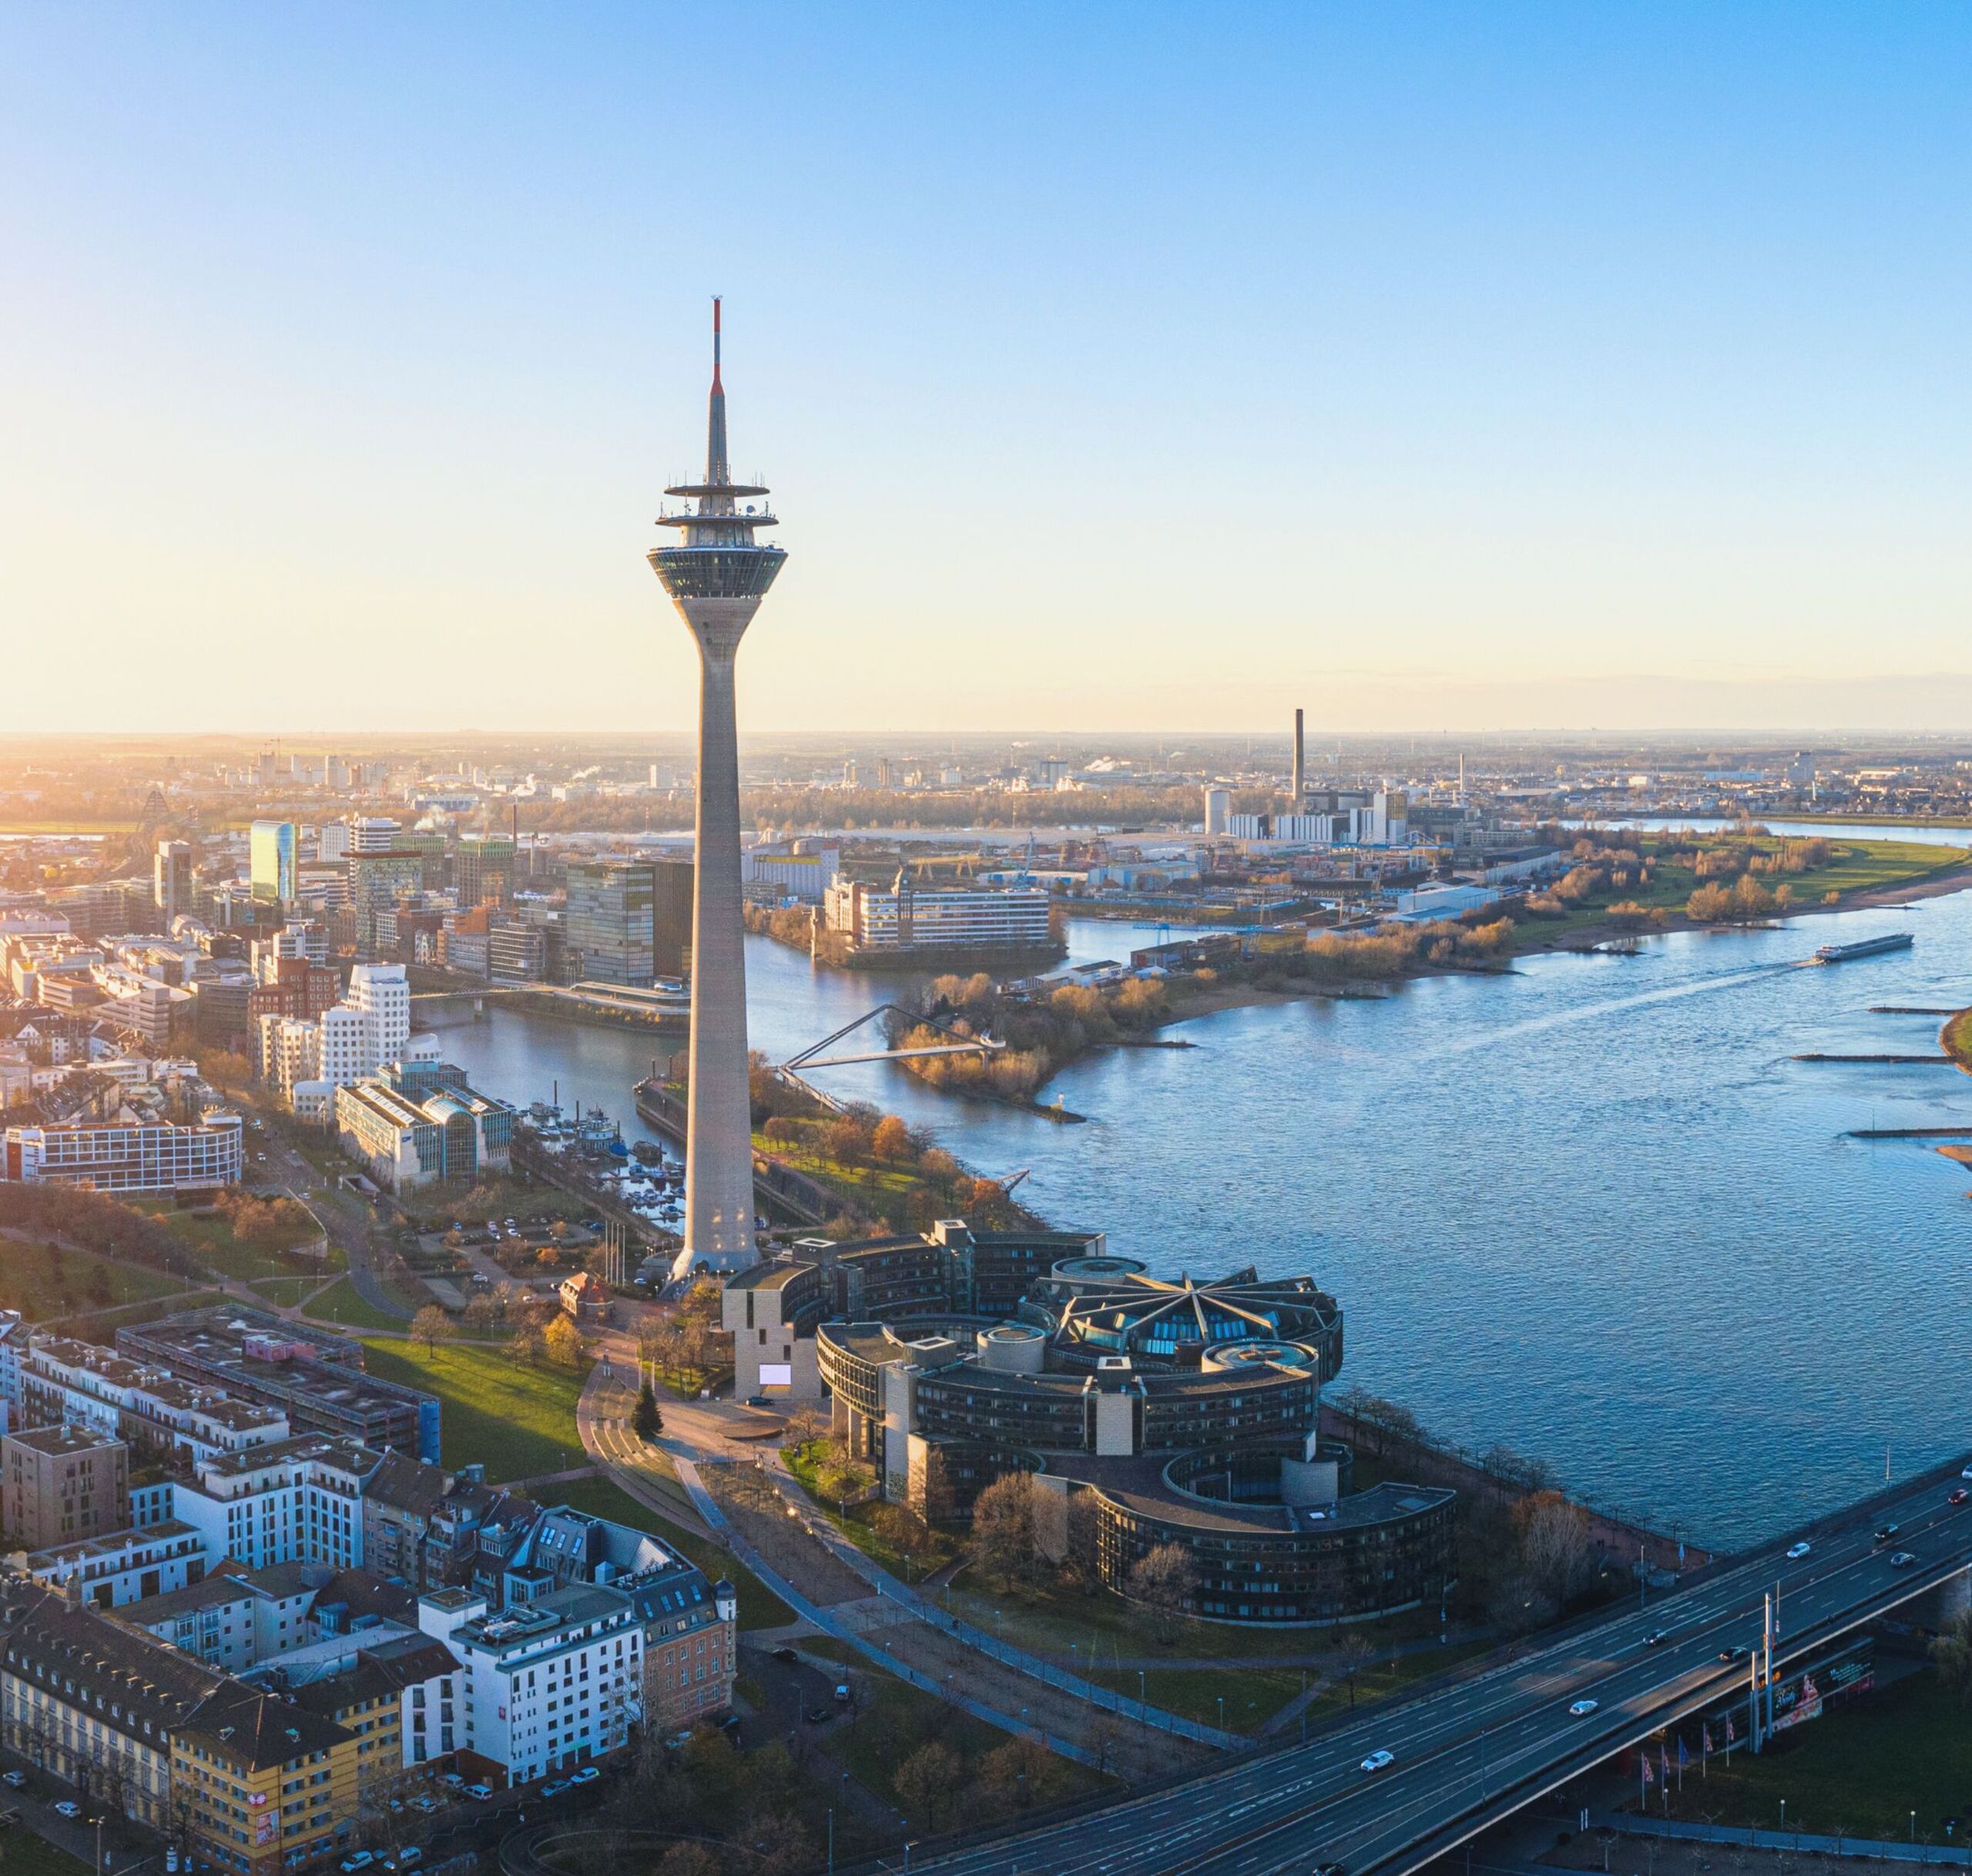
[549,1683]
[126,1157]
[905,919]
[300,1500]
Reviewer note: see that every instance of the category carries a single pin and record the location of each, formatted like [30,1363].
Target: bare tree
[430,1327]
[1003,1528]
[1165,1580]
[1352,1654]
[927,1782]
[1557,1550]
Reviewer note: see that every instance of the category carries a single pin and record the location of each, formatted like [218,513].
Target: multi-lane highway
[1473,1751]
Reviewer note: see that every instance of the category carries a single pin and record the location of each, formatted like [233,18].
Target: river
[1591,1209]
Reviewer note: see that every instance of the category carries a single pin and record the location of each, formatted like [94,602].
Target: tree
[688,1859]
[926,1781]
[562,1342]
[646,1421]
[1003,1528]
[1165,1580]
[430,1327]
[891,1139]
[1557,1551]
[527,1345]
[1353,1653]
[1952,1651]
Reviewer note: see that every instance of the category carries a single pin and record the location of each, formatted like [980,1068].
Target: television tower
[717,576]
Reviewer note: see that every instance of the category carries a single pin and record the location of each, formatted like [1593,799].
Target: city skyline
[1574,371]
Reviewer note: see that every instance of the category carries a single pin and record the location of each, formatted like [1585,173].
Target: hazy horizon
[1551,371]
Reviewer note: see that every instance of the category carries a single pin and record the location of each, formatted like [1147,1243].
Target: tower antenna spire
[718,467]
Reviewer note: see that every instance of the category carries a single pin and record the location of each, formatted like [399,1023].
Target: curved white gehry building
[717,575]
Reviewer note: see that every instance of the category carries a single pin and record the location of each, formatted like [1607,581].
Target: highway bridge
[1470,1753]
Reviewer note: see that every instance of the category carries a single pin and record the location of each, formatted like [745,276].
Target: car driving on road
[1796,1552]
[1901,1560]
[1581,1707]
[1884,1532]
[1376,1761]
[1959,1495]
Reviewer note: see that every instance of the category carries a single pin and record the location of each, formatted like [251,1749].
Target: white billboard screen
[776,1375]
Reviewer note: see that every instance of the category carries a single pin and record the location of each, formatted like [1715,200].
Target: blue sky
[1132,367]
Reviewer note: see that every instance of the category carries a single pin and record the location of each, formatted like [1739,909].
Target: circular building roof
[1159,1323]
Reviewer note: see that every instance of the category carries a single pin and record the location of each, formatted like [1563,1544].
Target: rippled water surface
[1592,1209]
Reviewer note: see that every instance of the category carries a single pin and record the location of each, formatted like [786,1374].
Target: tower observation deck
[717,575]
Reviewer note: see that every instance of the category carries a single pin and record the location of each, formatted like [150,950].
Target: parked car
[409,1858]
[479,1793]
[820,1715]
[1376,1761]
[361,1861]
[171,1860]
[9,1818]
[17,1780]
[553,1787]
[68,1808]
[587,1776]
[787,1654]
[842,1695]
[757,1400]
[1796,1552]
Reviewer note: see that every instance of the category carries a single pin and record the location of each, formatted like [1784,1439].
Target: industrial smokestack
[1295,790]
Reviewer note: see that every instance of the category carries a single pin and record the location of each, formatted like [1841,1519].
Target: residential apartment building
[65,1382]
[314,1378]
[123,1567]
[58,1483]
[260,1785]
[298,1501]
[548,1683]
[231,1618]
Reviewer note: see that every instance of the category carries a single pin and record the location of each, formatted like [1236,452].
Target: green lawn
[760,1608]
[1855,866]
[1860,1770]
[1069,1623]
[341,1303]
[288,1290]
[211,1239]
[1240,1699]
[515,1419]
[803,1462]
[895,1720]
[23,1854]
[42,1281]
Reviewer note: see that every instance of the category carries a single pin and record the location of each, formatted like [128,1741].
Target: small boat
[1864,947]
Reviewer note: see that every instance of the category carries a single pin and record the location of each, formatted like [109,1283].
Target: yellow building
[260,1785]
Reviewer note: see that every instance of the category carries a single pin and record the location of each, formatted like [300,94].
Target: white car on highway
[1796,1552]
[1581,1707]
[1377,1761]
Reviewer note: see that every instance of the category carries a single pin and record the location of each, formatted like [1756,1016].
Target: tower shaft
[717,578]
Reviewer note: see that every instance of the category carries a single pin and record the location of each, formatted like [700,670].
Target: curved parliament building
[1188,1411]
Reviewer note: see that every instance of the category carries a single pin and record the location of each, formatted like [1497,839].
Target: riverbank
[1956,1039]
[1955,876]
